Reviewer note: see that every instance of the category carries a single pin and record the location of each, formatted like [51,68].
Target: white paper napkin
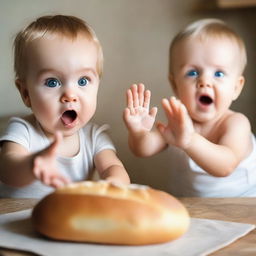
[203,237]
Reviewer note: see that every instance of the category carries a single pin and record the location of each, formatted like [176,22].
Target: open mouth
[205,100]
[69,117]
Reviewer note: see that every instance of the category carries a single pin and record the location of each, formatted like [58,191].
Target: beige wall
[135,35]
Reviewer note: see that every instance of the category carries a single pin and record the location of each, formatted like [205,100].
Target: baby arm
[218,159]
[139,121]
[221,158]
[20,168]
[110,168]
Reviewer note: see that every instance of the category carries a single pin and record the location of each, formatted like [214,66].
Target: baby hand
[45,167]
[137,116]
[180,129]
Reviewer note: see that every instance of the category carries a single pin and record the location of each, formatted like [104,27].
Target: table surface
[241,210]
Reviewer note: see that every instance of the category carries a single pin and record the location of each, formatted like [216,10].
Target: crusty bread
[102,212]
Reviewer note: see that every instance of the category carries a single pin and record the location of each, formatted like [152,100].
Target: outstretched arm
[139,120]
[20,168]
[219,157]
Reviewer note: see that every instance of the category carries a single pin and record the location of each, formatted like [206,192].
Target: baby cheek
[91,106]
[43,109]
[88,104]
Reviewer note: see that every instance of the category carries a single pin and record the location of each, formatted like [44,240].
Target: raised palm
[137,116]
[180,128]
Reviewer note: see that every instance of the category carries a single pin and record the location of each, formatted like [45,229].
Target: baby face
[61,82]
[206,76]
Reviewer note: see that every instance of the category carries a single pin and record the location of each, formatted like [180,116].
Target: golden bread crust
[102,212]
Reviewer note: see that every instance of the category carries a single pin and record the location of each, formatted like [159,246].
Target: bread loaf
[102,212]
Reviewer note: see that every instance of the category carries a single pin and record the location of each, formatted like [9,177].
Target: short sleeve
[97,139]
[102,139]
[17,131]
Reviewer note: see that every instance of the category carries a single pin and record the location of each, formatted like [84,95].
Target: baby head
[206,63]
[58,65]
[207,30]
[47,27]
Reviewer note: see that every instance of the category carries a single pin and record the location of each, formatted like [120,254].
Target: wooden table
[228,209]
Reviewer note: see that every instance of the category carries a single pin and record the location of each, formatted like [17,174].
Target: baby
[212,149]
[58,65]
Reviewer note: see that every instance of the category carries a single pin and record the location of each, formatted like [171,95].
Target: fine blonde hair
[68,26]
[209,29]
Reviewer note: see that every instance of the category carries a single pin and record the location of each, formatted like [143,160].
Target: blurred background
[135,35]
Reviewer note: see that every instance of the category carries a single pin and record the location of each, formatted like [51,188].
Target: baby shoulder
[237,121]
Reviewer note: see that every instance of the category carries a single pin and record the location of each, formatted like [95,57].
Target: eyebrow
[82,70]
[86,70]
[46,70]
[182,66]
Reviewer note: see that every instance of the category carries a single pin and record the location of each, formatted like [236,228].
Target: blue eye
[52,82]
[192,73]
[219,74]
[83,81]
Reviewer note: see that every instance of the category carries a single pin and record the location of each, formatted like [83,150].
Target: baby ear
[239,86]
[21,85]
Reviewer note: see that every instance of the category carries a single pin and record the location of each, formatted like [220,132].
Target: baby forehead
[61,52]
[59,45]
[215,50]
[212,45]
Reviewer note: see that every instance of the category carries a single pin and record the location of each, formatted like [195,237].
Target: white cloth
[187,179]
[203,237]
[93,139]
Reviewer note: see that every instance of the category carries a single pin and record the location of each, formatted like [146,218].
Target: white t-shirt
[187,179]
[29,134]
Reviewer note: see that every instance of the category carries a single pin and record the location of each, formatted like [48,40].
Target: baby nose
[68,96]
[204,82]
[202,85]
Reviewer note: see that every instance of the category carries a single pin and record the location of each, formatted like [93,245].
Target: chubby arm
[218,158]
[19,168]
[139,120]
[110,167]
